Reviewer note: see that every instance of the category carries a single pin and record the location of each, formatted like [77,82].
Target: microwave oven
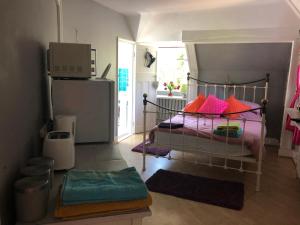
[70,60]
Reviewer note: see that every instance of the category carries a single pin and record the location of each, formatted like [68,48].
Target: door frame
[117,89]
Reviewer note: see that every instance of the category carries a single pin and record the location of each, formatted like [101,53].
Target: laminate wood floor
[278,202]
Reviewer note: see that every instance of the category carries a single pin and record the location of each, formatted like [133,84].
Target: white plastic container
[60,147]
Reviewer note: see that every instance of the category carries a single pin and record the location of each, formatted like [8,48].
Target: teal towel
[89,186]
[231,133]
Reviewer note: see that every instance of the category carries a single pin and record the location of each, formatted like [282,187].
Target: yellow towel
[112,213]
[99,208]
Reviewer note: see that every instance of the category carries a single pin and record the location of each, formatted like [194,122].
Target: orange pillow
[235,105]
[195,104]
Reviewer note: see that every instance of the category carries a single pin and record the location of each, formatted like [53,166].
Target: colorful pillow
[213,105]
[195,104]
[235,105]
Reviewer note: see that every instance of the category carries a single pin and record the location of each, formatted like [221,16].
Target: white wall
[97,25]
[26,29]
[144,84]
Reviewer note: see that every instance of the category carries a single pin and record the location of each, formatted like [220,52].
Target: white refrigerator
[92,102]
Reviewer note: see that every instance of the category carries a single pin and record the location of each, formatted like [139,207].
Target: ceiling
[129,7]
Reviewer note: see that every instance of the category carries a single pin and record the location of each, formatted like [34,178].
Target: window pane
[172,65]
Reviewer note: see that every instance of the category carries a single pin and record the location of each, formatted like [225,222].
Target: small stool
[59,145]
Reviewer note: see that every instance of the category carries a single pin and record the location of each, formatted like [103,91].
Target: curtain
[296,132]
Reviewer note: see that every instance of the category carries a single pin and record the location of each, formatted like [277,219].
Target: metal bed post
[188,88]
[183,115]
[262,140]
[267,85]
[170,129]
[144,135]
[243,143]
[262,143]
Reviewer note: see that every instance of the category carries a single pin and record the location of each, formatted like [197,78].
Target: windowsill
[170,97]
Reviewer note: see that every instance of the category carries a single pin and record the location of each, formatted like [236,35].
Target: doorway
[125,79]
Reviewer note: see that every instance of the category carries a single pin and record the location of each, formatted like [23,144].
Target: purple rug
[227,194]
[151,150]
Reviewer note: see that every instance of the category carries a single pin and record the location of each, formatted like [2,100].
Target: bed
[197,134]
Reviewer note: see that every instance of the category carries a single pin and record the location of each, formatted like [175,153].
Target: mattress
[197,133]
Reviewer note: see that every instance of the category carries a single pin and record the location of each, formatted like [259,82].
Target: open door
[125,80]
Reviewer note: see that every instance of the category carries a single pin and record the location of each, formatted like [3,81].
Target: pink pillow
[213,105]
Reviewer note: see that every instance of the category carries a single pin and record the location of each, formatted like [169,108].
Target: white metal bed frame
[198,149]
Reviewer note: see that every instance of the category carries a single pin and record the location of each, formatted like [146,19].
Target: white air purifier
[59,145]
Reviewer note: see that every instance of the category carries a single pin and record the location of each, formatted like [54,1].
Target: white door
[125,81]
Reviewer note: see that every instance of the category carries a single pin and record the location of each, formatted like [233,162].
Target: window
[172,66]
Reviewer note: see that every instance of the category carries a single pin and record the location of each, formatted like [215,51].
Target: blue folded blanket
[90,186]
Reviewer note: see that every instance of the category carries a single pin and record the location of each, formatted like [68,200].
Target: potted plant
[171,86]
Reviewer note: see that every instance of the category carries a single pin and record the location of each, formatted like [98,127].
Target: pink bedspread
[252,131]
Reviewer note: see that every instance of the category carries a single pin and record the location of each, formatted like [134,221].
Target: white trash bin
[59,145]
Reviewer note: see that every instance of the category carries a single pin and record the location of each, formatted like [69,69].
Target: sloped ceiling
[168,6]
[295,5]
[157,20]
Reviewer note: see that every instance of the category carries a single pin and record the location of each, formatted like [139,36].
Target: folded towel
[110,213]
[90,186]
[99,208]
[172,125]
[231,133]
[230,125]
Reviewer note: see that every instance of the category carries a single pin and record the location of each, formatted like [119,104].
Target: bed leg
[144,134]
[258,182]
[262,145]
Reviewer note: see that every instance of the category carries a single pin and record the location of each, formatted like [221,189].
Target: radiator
[170,103]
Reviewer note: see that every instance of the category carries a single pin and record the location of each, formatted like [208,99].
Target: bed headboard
[253,91]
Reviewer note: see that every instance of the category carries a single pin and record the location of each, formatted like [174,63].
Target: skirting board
[272,141]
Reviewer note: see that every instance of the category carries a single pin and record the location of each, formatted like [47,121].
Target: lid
[31,184]
[35,170]
[58,135]
[41,161]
